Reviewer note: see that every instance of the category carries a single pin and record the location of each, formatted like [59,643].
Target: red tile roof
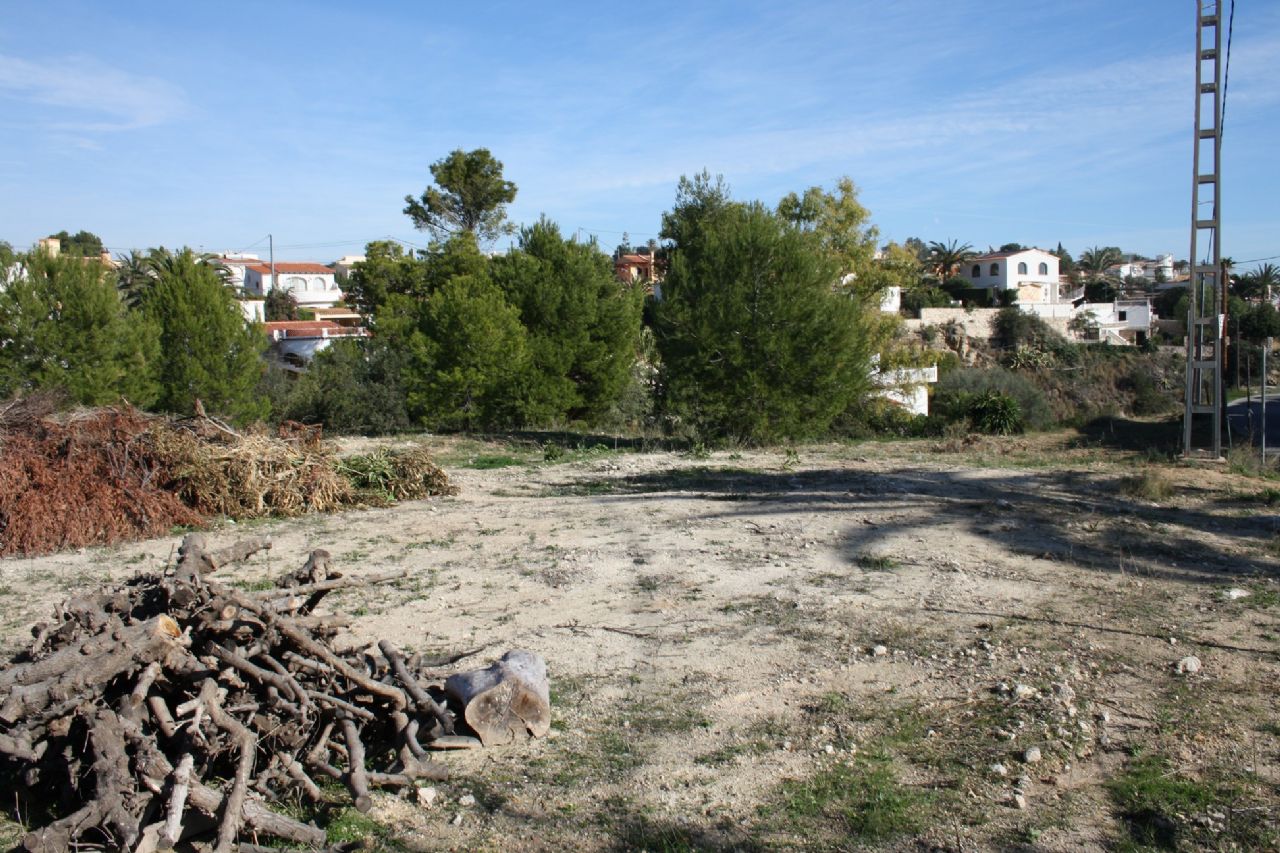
[300,326]
[995,256]
[294,268]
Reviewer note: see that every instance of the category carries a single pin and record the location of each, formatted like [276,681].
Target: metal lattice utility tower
[1204,397]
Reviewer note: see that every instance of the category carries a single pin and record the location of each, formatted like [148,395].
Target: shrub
[1151,485]
[1148,397]
[956,392]
[1016,328]
[877,418]
[924,297]
[996,413]
[352,387]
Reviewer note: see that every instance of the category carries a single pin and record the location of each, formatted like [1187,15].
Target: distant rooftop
[284,268]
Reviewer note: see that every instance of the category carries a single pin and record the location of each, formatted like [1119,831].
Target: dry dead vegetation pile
[100,476]
[177,708]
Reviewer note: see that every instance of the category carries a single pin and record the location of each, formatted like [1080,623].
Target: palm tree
[1265,278]
[134,277]
[945,258]
[1099,285]
[1096,261]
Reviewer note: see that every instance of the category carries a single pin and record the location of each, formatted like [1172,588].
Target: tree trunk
[506,701]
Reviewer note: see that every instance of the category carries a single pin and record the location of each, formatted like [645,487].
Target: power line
[257,242]
[1226,69]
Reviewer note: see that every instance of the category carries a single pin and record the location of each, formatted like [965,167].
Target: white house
[906,386]
[235,264]
[1161,267]
[1031,273]
[312,285]
[294,343]
[347,263]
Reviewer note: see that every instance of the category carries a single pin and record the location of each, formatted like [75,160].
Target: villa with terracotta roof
[294,343]
[312,285]
[636,267]
[1032,273]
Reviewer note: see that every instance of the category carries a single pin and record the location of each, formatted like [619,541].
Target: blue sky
[212,124]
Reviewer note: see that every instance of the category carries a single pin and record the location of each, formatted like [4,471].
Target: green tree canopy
[83,243]
[839,222]
[386,269]
[468,357]
[280,304]
[756,345]
[63,326]
[470,194]
[351,387]
[1259,322]
[700,200]
[1066,264]
[582,323]
[210,352]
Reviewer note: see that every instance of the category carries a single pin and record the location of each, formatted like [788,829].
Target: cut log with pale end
[507,701]
[60,680]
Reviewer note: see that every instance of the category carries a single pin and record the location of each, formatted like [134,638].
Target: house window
[977,271]
[1022,268]
[995,269]
[1044,268]
[1124,315]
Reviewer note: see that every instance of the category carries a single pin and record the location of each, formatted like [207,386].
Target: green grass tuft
[864,797]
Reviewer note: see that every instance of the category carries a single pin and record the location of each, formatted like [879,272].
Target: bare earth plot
[886,646]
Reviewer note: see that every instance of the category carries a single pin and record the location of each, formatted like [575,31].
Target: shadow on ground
[1076,517]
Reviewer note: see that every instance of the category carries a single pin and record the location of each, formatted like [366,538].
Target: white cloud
[95,97]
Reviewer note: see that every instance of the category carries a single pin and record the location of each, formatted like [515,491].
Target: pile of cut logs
[132,701]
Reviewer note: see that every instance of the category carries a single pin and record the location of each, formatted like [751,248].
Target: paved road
[1245,420]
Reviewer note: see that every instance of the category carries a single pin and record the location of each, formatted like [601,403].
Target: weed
[877,562]
[650,583]
[1160,807]
[491,461]
[1263,595]
[864,797]
[1150,485]
[728,753]
[833,703]
[1249,463]
[350,825]
[431,543]
[258,585]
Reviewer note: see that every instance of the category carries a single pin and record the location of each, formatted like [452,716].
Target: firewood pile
[178,708]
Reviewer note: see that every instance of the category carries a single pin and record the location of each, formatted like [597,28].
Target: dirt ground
[970,645]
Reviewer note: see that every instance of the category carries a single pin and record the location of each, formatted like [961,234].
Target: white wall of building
[254,310]
[1007,272]
[312,289]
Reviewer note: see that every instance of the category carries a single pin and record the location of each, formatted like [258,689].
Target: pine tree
[209,352]
[583,325]
[64,326]
[468,360]
[756,344]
